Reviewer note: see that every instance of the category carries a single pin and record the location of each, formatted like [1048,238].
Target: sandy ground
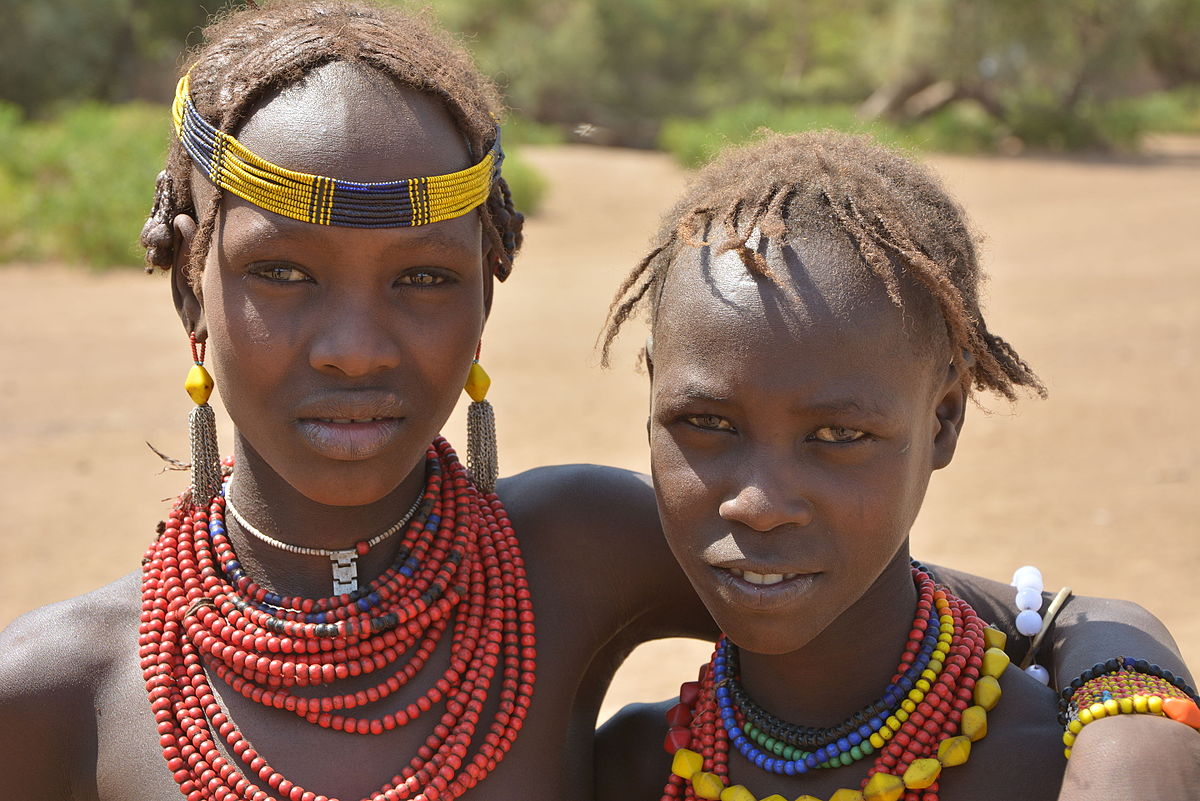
[1095,278]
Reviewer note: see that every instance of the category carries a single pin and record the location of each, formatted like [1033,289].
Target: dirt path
[1095,279]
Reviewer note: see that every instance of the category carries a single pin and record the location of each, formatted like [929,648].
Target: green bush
[527,184]
[1175,111]
[963,127]
[520,130]
[77,187]
[696,141]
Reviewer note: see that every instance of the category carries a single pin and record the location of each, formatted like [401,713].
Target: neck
[278,510]
[848,665]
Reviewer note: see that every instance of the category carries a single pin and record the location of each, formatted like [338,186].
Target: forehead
[349,121]
[824,318]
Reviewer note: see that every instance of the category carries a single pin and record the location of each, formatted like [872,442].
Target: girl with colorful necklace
[816,337]
[343,611]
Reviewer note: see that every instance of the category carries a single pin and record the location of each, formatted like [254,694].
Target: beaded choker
[934,708]
[459,569]
[343,561]
[317,199]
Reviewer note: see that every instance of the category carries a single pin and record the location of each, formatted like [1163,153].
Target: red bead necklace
[460,568]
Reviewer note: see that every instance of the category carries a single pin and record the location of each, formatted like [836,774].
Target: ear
[188,303]
[648,357]
[951,411]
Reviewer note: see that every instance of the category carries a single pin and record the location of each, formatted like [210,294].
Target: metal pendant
[345,571]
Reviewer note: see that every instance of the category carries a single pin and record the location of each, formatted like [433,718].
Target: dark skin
[306,323]
[793,432]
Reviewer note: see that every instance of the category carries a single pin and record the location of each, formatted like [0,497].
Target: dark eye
[283,273]
[423,278]
[709,422]
[838,434]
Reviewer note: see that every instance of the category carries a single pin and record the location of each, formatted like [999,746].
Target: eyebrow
[693,391]
[843,405]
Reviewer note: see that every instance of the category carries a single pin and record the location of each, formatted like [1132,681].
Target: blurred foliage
[613,70]
[987,75]
[57,51]
[77,188]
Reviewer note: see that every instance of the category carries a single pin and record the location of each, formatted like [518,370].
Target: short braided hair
[251,52]
[893,211]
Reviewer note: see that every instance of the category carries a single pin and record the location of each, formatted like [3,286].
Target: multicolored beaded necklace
[934,708]
[459,568]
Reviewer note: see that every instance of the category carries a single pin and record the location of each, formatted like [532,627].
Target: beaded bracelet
[1123,686]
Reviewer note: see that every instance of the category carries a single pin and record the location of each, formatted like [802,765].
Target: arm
[1091,630]
[1127,756]
[607,518]
[630,760]
[34,718]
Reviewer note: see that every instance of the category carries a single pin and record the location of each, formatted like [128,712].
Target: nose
[356,338]
[767,501]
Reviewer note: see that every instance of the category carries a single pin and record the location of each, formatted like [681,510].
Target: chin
[770,640]
[771,634]
[350,484]
[357,496]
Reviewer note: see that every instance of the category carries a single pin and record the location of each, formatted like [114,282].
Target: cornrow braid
[251,52]
[894,212]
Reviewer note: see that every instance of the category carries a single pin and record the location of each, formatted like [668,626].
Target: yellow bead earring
[202,424]
[482,458]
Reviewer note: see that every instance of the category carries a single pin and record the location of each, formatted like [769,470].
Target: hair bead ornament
[322,200]
[1030,621]
[157,236]
[202,425]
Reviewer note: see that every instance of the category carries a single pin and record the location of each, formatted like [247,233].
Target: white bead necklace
[343,561]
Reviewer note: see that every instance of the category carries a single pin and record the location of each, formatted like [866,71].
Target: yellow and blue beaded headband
[230,165]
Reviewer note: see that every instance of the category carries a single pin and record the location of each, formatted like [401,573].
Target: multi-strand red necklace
[459,568]
[932,710]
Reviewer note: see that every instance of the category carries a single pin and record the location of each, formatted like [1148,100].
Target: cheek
[684,498]
[442,343]
[244,339]
[881,496]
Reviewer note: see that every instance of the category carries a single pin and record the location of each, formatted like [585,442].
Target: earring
[482,461]
[206,455]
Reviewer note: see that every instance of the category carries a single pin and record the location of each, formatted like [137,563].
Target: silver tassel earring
[206,455]
[482,458]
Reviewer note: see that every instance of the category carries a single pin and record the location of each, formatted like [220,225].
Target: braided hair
[894,213]
[250,53]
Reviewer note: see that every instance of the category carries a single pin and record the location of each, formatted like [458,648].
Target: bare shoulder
[595,531]
[70,644]
[54,663]
[1021,730]
[600,500]
[629,758]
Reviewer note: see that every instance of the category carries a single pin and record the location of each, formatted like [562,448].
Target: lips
[762,579]
[764,589]
[351,428]
[350,439]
